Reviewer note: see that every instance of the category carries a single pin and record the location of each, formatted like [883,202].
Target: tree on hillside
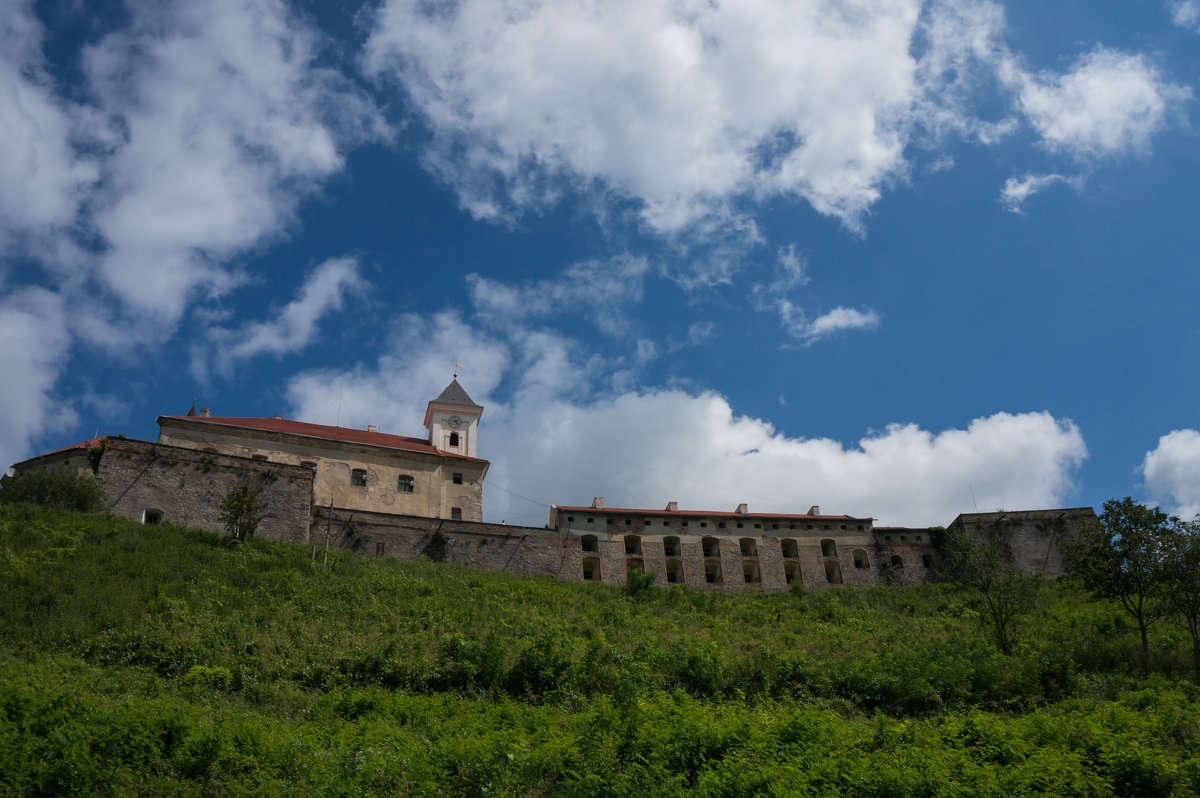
[986,568]
[62,489]
[1182,569]
[1120,556]
[243,508]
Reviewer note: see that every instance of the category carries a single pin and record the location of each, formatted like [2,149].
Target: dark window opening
[379,548]
[671,547]
[750,573]
[926,560]
[749,547]
[455,513]
[633,544]
[791,572]
[456,477]
[897,561]
[860,558]
[358,478]
[635,565]
[570,519]
[790,549]
[712,572]
[454,439]
[591,569]
[711,547]
[152,517]
[589,543]
[674,572]
[704,525]
[828,548]
[406,484]
[833,572]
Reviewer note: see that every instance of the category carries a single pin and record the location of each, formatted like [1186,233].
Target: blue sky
[897,259]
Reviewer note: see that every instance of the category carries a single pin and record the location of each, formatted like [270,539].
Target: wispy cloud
[1017,190]
[291,327]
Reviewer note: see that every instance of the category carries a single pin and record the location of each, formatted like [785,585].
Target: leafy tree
[1120,557]
[243,508]
[1182,570]
[62,489]
[986,568]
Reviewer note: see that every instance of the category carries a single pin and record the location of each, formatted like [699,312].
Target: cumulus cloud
[1017,190]
[555,436]
[1172,471]
[291,327]
[1108,103]
[683,106]
[225,120]
[1185,13]
[41,178]
[33,329]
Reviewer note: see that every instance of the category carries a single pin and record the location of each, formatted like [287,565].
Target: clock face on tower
[454,421]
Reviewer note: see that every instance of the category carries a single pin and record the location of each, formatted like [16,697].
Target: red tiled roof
[94,442]
[704,513]
[322,432]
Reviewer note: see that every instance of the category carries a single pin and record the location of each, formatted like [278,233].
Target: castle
[391,495]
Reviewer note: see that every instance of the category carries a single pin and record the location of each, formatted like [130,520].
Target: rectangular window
[358,478]
[379,547]
[457,478]
[406,484]
[455,513]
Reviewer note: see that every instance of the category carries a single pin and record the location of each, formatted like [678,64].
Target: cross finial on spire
[457,368]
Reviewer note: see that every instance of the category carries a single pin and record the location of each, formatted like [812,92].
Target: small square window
[627,522]
[405,484]
[759,526]
[590,520]
[457,478]
[571,518]
[358,478]
[721,525]
[704,525]
[380,546]
[647,522]
[739,523]
[455,513]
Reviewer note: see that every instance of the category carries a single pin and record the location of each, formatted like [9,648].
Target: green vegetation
[162,661]
[243,508]
[58,488]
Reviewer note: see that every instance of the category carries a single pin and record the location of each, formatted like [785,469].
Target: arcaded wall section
[156,483]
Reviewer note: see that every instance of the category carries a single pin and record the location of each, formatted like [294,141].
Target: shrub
[61,489]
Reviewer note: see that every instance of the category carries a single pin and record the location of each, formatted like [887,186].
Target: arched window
[749,547]
[454,439]
[897,561]
[833,572]
[591,569]
[712,572]
[711,546]
[588,543]
[633,544]
[828,548]
[406,484]
[750,572]
[791,572]
[358,478]
[674,572]
[671,547]
[860,559]
[790,550]
[927,560]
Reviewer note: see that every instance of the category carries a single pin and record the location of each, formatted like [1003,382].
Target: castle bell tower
[453,421]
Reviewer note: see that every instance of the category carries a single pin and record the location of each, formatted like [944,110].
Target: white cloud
[1172,471]
[1108,103]
[605,290]
[41,179]
[1185,13]
[684,106]
[33,329]
[1017,190]
[792,272]
[226,121]
[290,330]
[553,440]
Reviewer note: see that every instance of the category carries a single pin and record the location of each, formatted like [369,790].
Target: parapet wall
[1033,537]
[186,486]
[522,550]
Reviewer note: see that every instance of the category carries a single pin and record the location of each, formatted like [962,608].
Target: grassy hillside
[160,661]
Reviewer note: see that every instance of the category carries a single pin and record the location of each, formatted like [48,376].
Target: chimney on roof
[370,428]
[279,418]
[672,507]
[814,510]
[742,509]
[205,412]
[598,503]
